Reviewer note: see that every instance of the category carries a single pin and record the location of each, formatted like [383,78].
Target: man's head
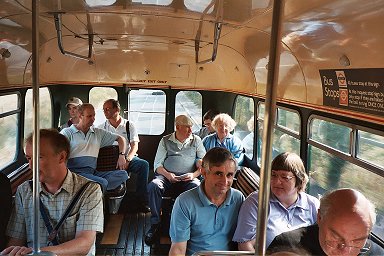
[183,127]
[54,152]
[207,119]
[86,115]
[218,170]
[111,108]
[72,106]
[345,220]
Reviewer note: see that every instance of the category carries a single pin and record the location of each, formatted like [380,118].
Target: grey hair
[226,119]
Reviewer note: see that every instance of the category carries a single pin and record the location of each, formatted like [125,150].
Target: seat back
[107,158]
[6,204]
[107,161]
[247,181]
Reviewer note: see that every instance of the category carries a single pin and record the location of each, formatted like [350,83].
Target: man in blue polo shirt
[204,218]
[85,143]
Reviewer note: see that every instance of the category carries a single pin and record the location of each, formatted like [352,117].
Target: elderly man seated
[177,165]
[344,222]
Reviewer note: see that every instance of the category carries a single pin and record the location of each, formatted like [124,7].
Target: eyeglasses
[283,178]
[207,124]
[342,246]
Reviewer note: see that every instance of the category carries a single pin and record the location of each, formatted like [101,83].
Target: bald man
[177,166]
[344,222]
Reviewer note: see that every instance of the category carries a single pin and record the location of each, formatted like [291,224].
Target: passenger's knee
[103,184]
[122,174]
[154,186]
[144,165]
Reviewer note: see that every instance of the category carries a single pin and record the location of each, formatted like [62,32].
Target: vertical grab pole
[269,120]
[36,130]
[36,125]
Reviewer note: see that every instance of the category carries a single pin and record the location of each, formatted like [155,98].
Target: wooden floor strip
[112,229]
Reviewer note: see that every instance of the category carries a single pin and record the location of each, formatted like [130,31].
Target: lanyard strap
[53,232]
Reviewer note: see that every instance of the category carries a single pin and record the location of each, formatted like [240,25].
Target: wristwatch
[122,153]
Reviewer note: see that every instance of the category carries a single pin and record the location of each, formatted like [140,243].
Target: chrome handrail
[269,121]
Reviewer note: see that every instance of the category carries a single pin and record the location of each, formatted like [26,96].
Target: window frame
[351,156]
[16,112]
[129,111]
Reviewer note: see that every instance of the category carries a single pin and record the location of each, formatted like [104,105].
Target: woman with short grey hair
[223,125]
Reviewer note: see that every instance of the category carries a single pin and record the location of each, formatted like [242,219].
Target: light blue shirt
[191,144]
[201,223]
[301,214]
[231,142]
[84,148]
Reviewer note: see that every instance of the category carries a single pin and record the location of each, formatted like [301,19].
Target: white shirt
[121,130]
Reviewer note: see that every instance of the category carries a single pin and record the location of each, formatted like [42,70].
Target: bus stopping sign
[355,89]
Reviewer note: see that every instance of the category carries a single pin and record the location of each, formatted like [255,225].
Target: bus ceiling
[210,45]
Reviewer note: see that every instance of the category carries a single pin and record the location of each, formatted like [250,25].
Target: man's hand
[121,163]
[16,250]
[172,177]
[186,177]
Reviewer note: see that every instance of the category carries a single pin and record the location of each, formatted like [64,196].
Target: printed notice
[355,89]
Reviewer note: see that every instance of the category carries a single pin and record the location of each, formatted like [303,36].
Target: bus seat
[247,181]
[106,161]
[6,204]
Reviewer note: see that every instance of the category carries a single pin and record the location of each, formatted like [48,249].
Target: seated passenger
[116,124]
[207,121]
[77,234]
[177,166]
[72,107]
[204,218]
[85,143]
[289,206]
[344,222]
[223,125]
[248,140]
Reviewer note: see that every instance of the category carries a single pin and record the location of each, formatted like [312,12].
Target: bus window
[244,117]
[198,6]
[286,134]
[288,119]
[260,123]
[9,120]
[329,172]
[371,148]
[146,108]
[97,96]
[45,110]
[331,134]
[153,2]
[190,103]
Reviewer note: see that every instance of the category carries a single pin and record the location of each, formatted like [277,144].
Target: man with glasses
[207,124]
[344,222]
[116,124]
[204,218]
